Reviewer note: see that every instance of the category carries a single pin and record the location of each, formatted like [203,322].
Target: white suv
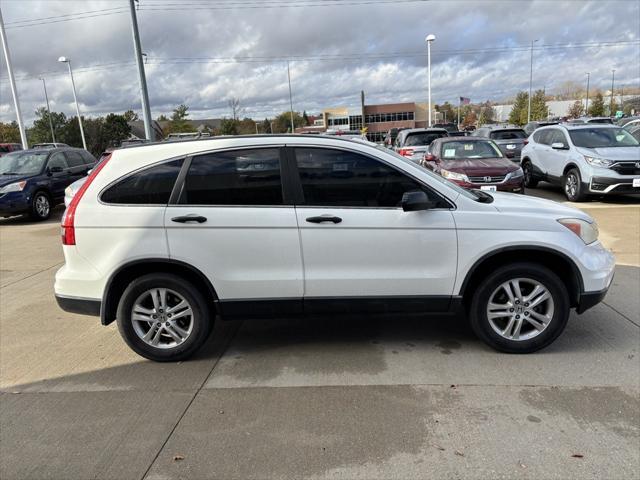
[164,237]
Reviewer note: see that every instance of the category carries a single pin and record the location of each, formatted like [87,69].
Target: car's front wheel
[573,189]
[529,180]
[520,308]
[40,208]
[163,317]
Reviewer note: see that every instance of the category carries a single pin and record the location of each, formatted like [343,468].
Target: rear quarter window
[150,186]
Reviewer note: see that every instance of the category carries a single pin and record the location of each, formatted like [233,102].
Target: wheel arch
[570,166]
[125,274]
[556,261]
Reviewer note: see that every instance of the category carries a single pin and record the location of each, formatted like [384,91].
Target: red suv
[474,162]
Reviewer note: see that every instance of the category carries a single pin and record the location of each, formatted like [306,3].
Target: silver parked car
[414,142]
[584,159]
[509,138]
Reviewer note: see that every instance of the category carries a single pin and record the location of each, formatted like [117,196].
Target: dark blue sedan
[33,181]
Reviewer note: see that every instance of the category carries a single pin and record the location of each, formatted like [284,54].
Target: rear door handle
[189,219]
[324,218]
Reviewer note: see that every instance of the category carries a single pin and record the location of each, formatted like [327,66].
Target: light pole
[12,83]
[530,81]
[290,97]
[46,97]
[144,94]
[430,38]
[613,76]
[75,97]
[586,107]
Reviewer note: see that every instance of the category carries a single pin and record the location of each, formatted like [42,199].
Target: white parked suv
[585,159]
[163,238]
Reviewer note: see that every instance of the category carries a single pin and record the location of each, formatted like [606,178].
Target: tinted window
[346,179]
[87,157]
[422,138]
[508,134]
[602,137]
[240,177]
[151,186]
[58,160]
[74,159]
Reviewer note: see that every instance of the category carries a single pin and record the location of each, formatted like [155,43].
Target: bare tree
[236,109]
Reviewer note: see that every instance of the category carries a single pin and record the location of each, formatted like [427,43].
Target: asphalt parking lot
[363,398]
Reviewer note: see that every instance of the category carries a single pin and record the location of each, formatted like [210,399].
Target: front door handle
[324,218]
[189,218]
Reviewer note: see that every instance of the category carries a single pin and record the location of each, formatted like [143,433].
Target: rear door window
[239,177]
[74,159]
[58,160]
[150,186]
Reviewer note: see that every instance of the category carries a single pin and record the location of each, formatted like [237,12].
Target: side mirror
[559,146]
[56,169]
[416,200]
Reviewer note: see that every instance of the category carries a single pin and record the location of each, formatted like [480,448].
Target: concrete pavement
[364,398]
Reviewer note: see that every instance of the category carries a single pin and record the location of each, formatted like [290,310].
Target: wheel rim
[571,185]
[527,173]
[520,309]
[162,318]
[42,205]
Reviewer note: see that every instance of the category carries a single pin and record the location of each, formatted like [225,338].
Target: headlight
[461,177]
[598,162]
[13,187]
[516,174]
[588,232]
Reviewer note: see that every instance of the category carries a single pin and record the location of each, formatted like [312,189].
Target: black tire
[478,311]
[576,194]
[40,207]
[202,320]
[529,180]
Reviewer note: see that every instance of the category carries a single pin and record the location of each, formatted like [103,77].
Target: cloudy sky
[204,52]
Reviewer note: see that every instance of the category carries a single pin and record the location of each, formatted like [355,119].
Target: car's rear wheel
[163,317]
[40,208]
[573,189]
[520,308]
[529,180]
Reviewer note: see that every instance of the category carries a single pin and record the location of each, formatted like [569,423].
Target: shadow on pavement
[19,220]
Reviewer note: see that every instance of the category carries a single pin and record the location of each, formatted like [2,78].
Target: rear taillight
[68,222]
[406,152]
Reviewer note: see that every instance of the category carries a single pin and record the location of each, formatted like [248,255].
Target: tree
[576,110]
[162,118]
[40,132]
[470,118]
[613,108]
[518,114]
[449,114]
[229,126]
[282,123]
[266,126]
[178,122]
[130,116]
[539,109]
[9,132]
[305,118]
[487,115]
[596,109]
[115,129]
[236,109]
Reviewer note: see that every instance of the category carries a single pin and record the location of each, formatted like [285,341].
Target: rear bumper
[590,299]
[81,306]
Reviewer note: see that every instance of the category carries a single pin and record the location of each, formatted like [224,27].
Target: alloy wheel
[42,205]
[162,318]
[571,185]
[520,309]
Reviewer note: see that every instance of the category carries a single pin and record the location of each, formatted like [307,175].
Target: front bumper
[516,186]
[590,299]
[14,203]
[604,185]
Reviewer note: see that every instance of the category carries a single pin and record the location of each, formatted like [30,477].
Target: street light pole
[144,94]
[530,82]
[290,97]
[613,76]
[46,97]
[75,97]
[586,108]
[430,38]
[12,83]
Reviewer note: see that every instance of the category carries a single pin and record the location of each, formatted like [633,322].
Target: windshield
[508,135]
[602,137]
[422,138]
[469,150]
[437,178]
[23,163]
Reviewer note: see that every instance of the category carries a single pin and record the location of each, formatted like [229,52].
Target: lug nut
[526,304]
[526,314]
[167,324]
[154,316]
[517,317]
[158,324]
[168,315]
[511,309]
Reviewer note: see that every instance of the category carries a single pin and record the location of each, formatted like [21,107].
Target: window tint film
[74,159]
[346,179]
[151,186]
[240,177]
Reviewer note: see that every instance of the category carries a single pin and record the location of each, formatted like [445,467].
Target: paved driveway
[324,398]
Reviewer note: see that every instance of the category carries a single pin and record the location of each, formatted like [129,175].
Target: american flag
[465,101]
